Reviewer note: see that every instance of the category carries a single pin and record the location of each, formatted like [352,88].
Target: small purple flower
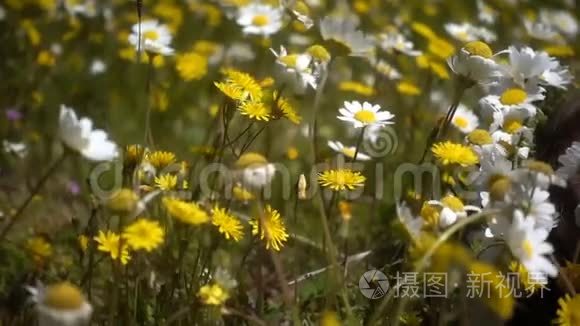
[74,187]
[13,114]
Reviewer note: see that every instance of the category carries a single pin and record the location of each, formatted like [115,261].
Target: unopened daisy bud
[479,137]
[61,304]
[345,209]
[302,187]
[123,201]
[319,53]
[133,156]
[499,188]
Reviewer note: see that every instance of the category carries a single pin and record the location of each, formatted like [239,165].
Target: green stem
[32,194]
[423,263]
[148,132]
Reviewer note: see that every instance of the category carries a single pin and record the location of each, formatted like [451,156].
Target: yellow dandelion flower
[227,224]
[144,234]
[286,109]
[271,228]
[292,153]
[189,213]
[330,318]
[160,159]
[357,88]
[39,248]
[83,242]
[408,88]
[191,66]
[171,13]
[255,110]
[242,194]
[206,48]
[133,156]
[448,153]
[498,299]
[561,51]
[231,90]
[441,48]
[45,58]
[249,86]
[166,182]
[214,294]
[569,311]
[423,30]
[341,179]
[109,242]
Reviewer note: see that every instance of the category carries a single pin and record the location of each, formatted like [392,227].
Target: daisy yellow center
[528,248]
[260,20]
[513,96]
[539,166]
[462,36]
[64,296]
[289,60]
[454,203]
[512,125]
[319,53]
[348,152]
[365,116]
[478,48]
[151,35]
[480,137]
[499,187]
[461,122]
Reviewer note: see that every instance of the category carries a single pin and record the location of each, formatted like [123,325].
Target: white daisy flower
[570,162]
[347,151]
[513,99]
[486,13]
[413,224]
[387,70]
[465,120]
[260,19]
[366,114]
[87,8]
[155,37]
[452,209]
[397,42]
[474,62]
[466,32]
[98,67]
[297,69]
[60,304]
[541,31]
[344,32]
[254,170]
[79,136]
[558,77]
[560,19]
[20,150]
[528,244]
[541,209]
[526,65]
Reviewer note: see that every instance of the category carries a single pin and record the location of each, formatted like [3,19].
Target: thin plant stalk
[32,194]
